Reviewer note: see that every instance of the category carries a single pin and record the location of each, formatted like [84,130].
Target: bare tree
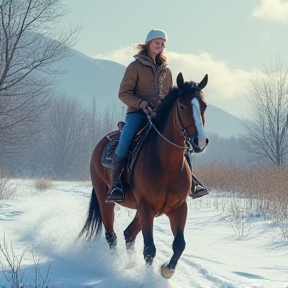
[67,135]
[103,120]
[31,48]
[265,136]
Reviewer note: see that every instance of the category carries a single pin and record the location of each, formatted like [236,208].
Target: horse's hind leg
[107,213]
[111,239]
[177,222]
[131,232]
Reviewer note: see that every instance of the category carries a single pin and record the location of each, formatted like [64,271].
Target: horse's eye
[182,107]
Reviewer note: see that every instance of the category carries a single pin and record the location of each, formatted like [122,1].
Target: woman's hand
[150,112]
[143,104]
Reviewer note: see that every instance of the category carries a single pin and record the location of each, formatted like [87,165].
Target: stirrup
[199,191]
[116,194]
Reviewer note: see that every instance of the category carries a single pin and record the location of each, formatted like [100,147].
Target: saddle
[136,144]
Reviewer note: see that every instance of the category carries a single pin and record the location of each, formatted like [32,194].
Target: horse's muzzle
[199,146]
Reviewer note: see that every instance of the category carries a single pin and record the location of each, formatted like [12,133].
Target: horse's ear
[180,80]
[203,83]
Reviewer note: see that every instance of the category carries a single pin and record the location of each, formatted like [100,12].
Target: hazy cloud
[226,86]
[194,67]
[123,56]
[272,10]
[224,81]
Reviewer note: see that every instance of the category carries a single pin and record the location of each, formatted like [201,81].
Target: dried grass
[264,190]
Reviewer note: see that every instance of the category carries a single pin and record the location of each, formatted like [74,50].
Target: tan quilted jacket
[143,80]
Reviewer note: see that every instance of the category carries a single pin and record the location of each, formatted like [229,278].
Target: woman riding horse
[160,180]
[145,82]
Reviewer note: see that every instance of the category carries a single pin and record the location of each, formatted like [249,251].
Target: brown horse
[161,179]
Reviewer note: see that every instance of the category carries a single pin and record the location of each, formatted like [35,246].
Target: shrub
[42,184]
[7,188]
[14,270]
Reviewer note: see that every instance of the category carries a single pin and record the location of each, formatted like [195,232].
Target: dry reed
[263,188]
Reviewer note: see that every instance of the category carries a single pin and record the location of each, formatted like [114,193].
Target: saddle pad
[110,148]
[114,135]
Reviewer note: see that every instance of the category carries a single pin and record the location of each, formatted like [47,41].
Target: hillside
[222,123]
[87,78]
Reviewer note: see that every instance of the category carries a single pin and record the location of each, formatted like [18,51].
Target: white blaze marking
[199,123]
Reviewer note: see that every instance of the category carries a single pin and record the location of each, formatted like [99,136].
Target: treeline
[68,133]
[223,151]
[62,148]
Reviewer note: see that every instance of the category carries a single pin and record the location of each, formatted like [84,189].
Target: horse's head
[187,102]
[191,102]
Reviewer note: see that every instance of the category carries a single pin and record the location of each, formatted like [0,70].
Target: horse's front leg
[177,219]
[131,232]
[147,215]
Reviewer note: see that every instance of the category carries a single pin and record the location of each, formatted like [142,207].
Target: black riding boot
[116,193]
[197,189]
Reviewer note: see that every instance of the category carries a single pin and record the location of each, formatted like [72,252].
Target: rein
[183,130]
[186,138]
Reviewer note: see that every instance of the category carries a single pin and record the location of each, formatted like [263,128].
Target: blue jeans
[134,122]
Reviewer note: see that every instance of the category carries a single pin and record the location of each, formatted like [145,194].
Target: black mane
[166,104]
[164,108]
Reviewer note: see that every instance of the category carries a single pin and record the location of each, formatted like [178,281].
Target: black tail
[93,224]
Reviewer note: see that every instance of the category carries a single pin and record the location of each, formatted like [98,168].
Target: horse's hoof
[130,247]
[167,272]
[149,261]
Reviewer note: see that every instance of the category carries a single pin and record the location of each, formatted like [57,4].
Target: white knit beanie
[156,33]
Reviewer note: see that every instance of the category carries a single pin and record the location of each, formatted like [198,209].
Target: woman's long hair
[143,49]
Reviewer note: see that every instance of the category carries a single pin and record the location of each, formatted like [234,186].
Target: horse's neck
[171,143]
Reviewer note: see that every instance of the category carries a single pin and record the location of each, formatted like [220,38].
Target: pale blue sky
[228,39]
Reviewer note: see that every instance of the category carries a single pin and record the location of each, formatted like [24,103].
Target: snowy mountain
[87,78]
[222,123]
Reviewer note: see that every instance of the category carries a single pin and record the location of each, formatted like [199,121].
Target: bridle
[183,129]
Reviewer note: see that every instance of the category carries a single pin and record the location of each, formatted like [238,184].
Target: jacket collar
[147,60]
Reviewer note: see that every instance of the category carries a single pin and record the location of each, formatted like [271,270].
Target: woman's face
[156,46]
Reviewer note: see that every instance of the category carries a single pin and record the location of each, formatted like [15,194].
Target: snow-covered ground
[47,224]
